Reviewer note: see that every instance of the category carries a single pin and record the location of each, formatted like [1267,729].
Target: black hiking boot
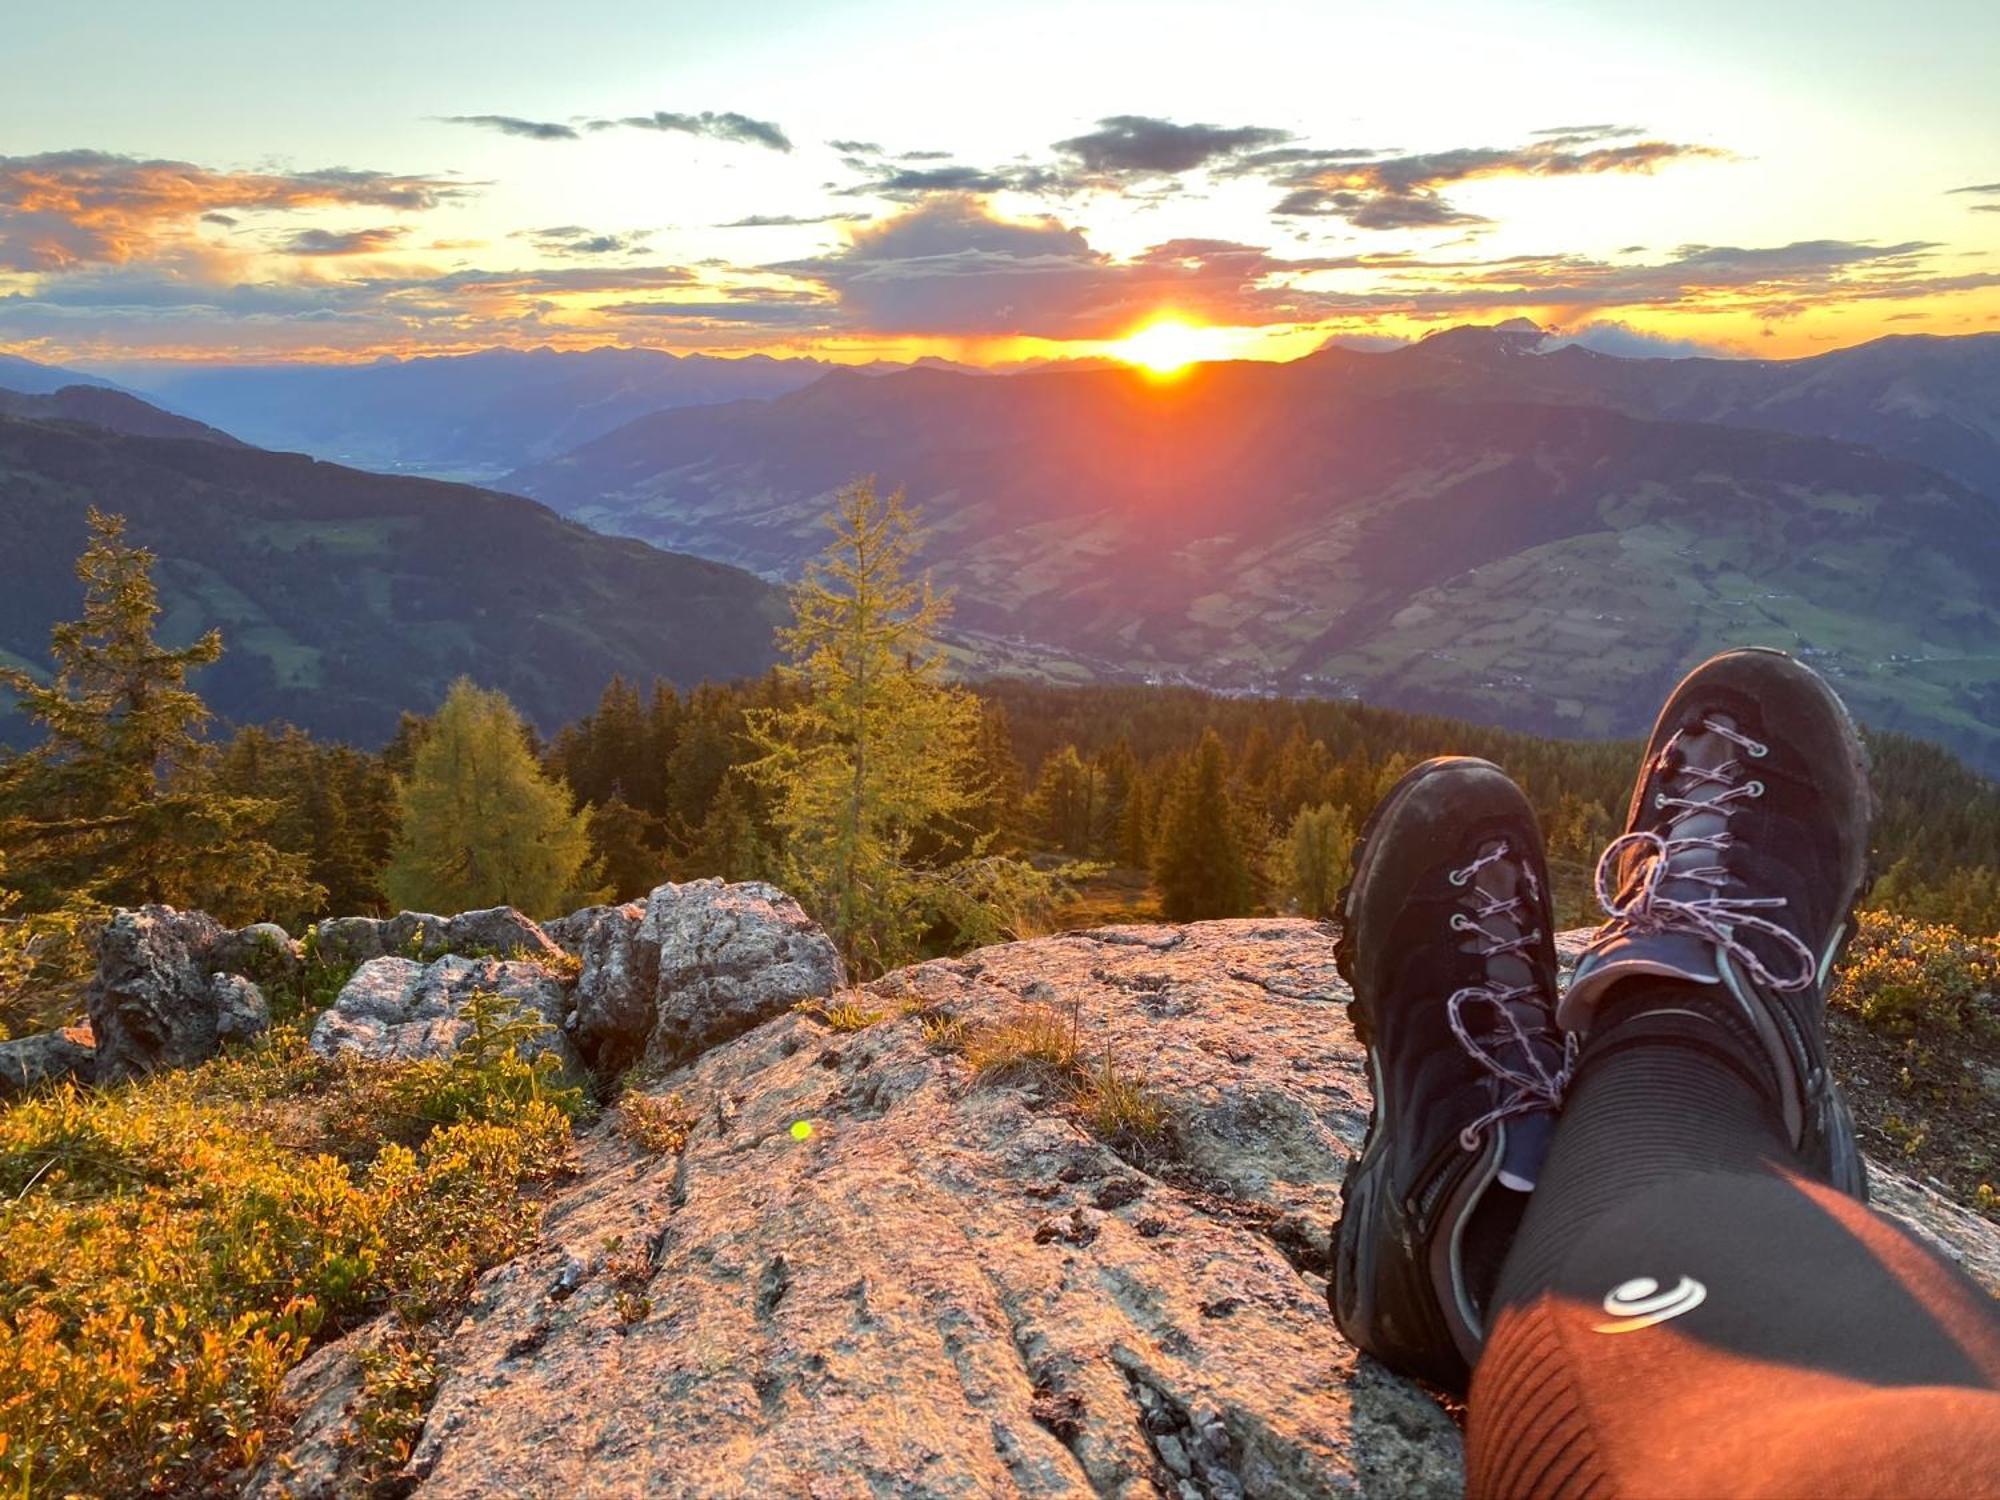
[1446,942]
[1744,854]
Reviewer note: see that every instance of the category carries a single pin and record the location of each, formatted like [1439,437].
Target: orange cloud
[63,209]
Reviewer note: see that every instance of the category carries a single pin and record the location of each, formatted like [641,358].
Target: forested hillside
[1461,527]
[347,597]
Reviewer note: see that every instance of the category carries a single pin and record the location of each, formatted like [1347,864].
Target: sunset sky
[990,182]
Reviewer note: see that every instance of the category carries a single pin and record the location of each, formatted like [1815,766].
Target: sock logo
[1639,1303]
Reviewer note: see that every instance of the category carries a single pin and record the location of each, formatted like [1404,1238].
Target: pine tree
[878,749]
[116,805]
[1311,864]
[623,842]
[1199,860]
[1135,824]
[482,824]
[728,843]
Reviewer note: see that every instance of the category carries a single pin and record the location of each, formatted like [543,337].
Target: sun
[1167,346]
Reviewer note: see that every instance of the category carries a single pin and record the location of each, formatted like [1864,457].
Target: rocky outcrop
[160,997]
[28,1062]
[870,1271]
[400,1010]
[493,932]
[696,965]
[322,1396]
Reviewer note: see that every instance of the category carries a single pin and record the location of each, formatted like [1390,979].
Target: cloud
[533,130]
[772,309]
[1402,191]
[950,267]
[64,209]
[724,125]
[1610,336]
[911,183]
[575,240]
[856,148]
[1977,187]
[348,242]
[1413,210]
[773,221]
[1143,146]
[1366,343]
[227,221]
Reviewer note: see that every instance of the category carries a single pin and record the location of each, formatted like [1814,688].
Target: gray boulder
[500,931]
[569,932]
[397,1009]
[698,964]
[159,1000]
[496,931]
[615,993]
[28,1062]
[261,951]
[731,957]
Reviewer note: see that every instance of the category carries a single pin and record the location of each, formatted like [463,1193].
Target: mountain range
[1477,525]
[471,416]
[1466,526]
[347,597]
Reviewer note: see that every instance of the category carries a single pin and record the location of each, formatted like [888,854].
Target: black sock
[1666,1084]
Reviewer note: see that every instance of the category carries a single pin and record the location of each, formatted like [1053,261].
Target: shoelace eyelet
[1753,788]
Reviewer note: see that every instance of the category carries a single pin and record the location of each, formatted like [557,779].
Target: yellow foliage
[168,1249]
[1902,976]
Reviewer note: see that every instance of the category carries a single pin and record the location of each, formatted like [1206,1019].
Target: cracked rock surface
[870,1274]
[950,1287]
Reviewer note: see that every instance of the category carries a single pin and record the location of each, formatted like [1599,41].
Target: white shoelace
[1535,1086]
[1718,919]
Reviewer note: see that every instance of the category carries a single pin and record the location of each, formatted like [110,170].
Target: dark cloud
[910,184]
[770,309]
[346,242]
[1416,210]
[1977,187]
[1402,191]
[723,125]
[533,130]
[575,239]
[1143,146]
[227,221]
[64,209]
[856,148]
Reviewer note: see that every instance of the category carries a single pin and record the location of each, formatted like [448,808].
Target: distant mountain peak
[1508,340]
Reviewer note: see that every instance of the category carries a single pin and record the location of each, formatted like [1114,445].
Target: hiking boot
[1744,854]
[1446,941]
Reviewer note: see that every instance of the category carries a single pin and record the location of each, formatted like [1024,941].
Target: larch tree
[483,825]
[876,748]
[1312,860]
